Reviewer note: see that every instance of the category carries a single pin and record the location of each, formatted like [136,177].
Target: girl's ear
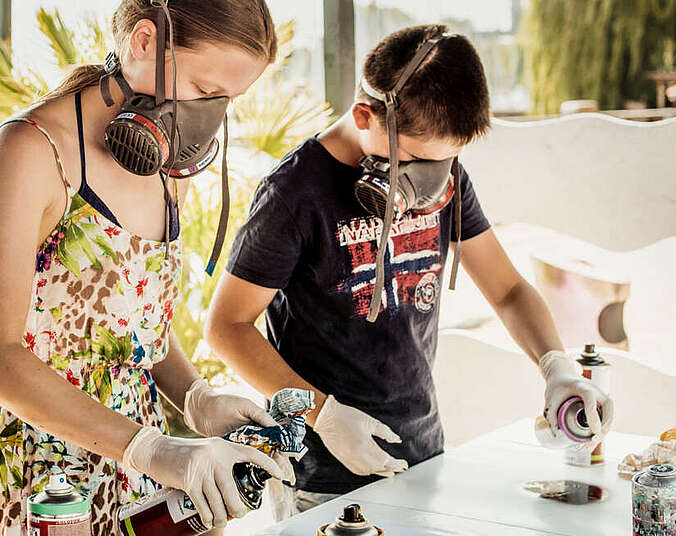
[363,115]
[142,40]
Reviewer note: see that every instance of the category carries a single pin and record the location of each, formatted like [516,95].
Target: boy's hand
[564,380]
[348,434]
[213,414]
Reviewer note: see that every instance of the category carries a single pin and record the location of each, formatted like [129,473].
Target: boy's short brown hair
[446,96]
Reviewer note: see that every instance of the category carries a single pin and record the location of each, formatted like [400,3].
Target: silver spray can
[653,506]
[573,427]
[597,370]
[59,509]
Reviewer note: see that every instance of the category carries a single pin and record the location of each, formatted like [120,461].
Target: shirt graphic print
[413,262]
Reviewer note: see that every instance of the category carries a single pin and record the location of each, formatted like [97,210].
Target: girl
[85,326]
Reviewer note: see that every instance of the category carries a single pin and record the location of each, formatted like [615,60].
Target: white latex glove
[285,465]
[213,414]
[200,467]
[348,434]
[564,380]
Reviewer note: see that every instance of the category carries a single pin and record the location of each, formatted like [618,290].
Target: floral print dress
[102,303]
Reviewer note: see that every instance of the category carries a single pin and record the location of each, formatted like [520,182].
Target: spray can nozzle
[590,356]
[350,523]
[352,514]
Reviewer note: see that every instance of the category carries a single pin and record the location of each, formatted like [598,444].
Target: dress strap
[57,157]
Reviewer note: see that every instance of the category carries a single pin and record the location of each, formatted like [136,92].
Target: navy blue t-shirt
[307,236]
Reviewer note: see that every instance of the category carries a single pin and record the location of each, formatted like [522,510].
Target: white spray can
[596,369]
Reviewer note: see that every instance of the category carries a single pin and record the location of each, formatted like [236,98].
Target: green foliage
[273,126]
[61,38]
[18,89]
[596,49]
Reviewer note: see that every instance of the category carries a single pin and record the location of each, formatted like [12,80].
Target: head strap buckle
[391,99]
[112,64]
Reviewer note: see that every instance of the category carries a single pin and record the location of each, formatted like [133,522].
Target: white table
[475,489]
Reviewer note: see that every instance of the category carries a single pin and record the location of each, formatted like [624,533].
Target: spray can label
[52,526]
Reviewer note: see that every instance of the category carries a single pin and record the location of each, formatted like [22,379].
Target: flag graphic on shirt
[413,262]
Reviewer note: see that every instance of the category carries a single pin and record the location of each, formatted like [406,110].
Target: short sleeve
[474,221]
[267,247]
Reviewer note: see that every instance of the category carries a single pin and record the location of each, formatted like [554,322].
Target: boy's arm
[232,334]
[528,320]
[519,306]
[346,431]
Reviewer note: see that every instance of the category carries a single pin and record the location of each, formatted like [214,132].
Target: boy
[308,254]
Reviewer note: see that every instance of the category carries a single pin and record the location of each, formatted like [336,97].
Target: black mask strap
[390,100]
[457,213]
[163,18]
[225,204]
[113,69]
[161,27]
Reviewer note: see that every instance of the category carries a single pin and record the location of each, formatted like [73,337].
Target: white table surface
[475,489]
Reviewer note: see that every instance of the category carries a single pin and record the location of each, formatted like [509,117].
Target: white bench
[607,181]
[590,187]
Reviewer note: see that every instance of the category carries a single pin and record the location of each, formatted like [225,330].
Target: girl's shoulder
[31,148]
[50,121]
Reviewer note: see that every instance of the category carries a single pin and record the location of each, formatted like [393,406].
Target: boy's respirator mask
[388,188]
[424,186]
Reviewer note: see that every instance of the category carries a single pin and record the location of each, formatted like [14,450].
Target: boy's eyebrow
[414,157]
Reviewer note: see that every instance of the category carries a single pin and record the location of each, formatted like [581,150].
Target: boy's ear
[363,115]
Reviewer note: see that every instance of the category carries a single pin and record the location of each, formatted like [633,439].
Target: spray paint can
[170,512]
[350,523]
[653,506]
[59,509]
[597,370]
[573,426]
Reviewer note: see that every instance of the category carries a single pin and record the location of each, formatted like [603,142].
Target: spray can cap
[58,485]
[662,470]
[590,357]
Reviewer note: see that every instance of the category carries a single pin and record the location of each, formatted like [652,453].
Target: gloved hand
[564,380]
[213,414]
[200,467]
[285,466]
[347,433]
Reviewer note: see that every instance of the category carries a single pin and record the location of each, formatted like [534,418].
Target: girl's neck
[95,114]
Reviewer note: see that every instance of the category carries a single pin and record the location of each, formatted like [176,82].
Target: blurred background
[549,63]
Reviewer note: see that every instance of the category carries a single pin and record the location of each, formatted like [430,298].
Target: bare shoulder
[26,158]
[29,170]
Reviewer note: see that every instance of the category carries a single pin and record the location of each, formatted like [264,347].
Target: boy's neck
[341,140]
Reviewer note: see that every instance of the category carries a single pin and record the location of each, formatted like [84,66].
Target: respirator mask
[424,186]
[389,188]
[152,134]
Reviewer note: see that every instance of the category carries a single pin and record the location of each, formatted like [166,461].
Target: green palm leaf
[60,37]
[16,90]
